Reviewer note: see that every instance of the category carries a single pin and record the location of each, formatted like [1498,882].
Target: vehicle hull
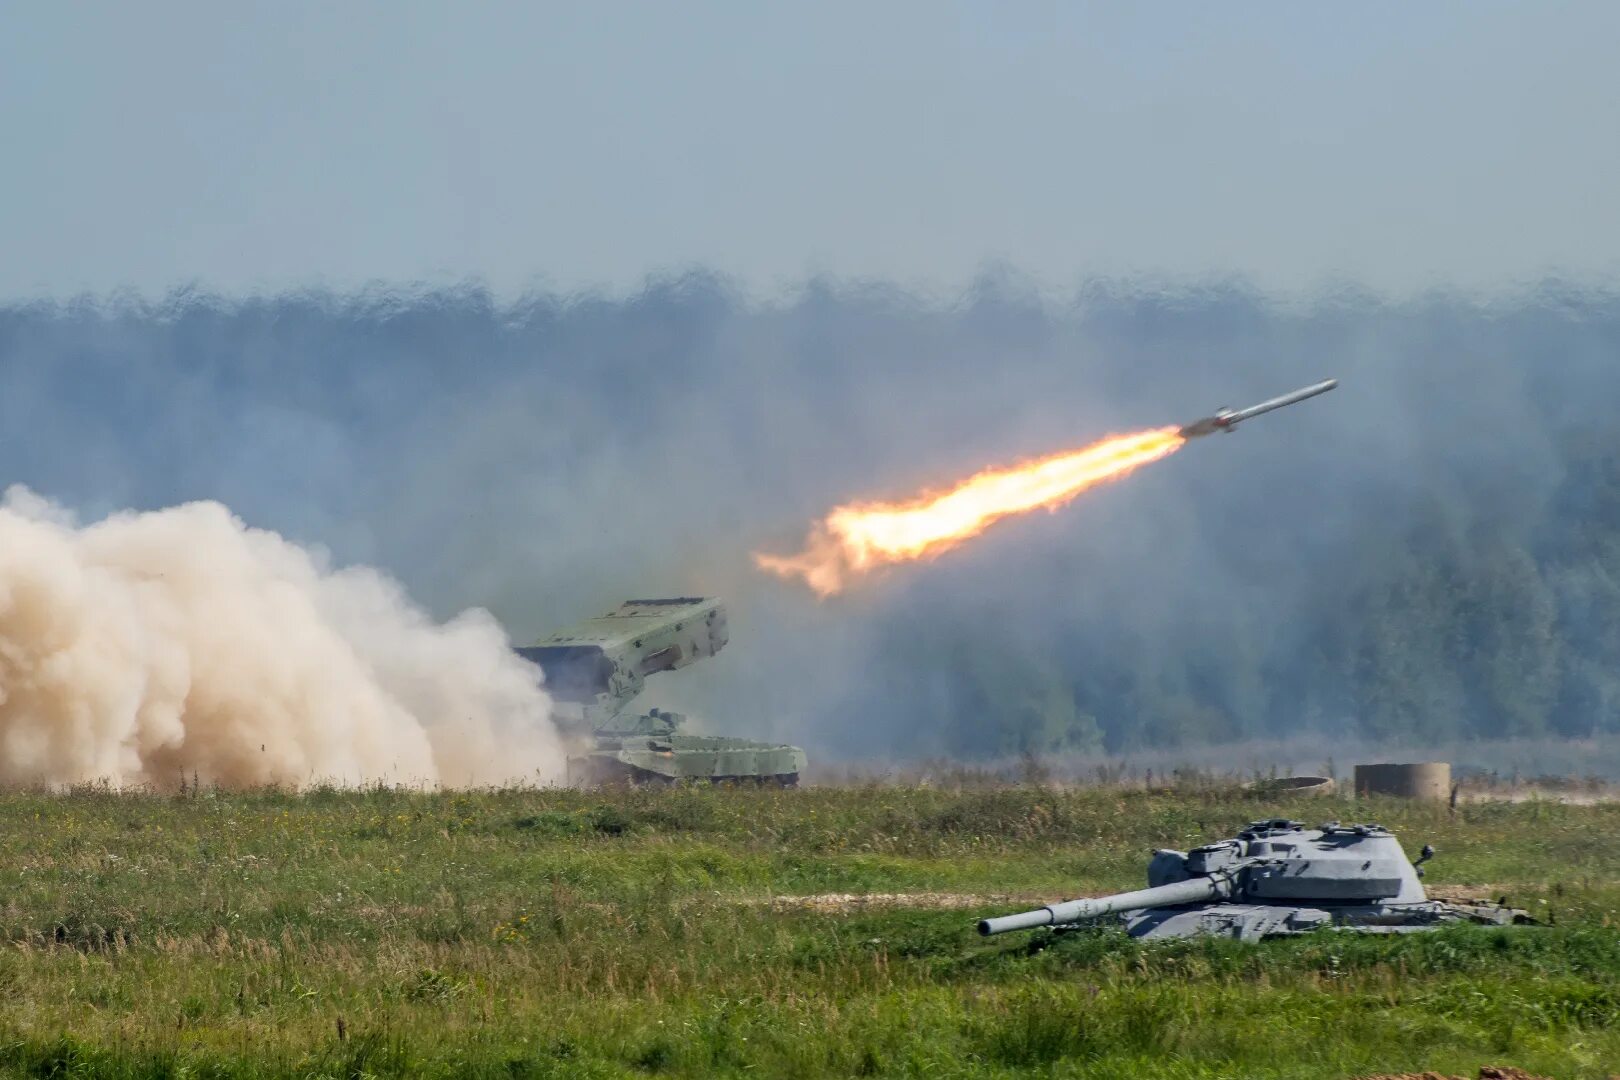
[674,758]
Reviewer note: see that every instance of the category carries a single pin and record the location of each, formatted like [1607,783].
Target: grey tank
[1273,879]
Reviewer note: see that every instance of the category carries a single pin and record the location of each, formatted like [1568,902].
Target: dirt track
[843,903]
[1486,1072]
[840,903]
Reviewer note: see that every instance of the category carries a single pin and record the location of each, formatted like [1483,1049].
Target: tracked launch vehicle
[1274,879]
[595,669]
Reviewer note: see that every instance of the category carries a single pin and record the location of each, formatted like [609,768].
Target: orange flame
[855,539]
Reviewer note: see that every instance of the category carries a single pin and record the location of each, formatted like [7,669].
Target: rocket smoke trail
[855,539]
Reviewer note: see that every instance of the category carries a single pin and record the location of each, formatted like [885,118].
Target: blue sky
[249,146]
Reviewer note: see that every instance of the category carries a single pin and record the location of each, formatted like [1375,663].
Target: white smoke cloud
[150,647]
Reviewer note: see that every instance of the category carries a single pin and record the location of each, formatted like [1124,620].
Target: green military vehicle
[595,669]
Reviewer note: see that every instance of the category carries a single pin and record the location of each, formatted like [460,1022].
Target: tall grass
[634,933]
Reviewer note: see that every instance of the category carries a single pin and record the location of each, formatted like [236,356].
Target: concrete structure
[1424,780]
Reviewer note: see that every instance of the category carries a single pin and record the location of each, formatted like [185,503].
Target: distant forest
[1430,552]
[1434,630]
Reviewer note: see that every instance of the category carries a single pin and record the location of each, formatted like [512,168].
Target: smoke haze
[1429,552]
[178,645]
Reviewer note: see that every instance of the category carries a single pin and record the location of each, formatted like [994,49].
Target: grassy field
[560,933]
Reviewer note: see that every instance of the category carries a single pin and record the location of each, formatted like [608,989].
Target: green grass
[560,933]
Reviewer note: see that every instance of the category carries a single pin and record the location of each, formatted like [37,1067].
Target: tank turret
[594,670]
[1274,878]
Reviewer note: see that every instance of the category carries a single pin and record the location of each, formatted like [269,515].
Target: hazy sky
[263,145]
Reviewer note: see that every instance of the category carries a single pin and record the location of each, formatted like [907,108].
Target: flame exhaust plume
[855,539]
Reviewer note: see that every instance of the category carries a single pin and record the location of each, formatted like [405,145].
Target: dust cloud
[161,647]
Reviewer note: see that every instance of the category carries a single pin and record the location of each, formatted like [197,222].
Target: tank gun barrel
[1192,891]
